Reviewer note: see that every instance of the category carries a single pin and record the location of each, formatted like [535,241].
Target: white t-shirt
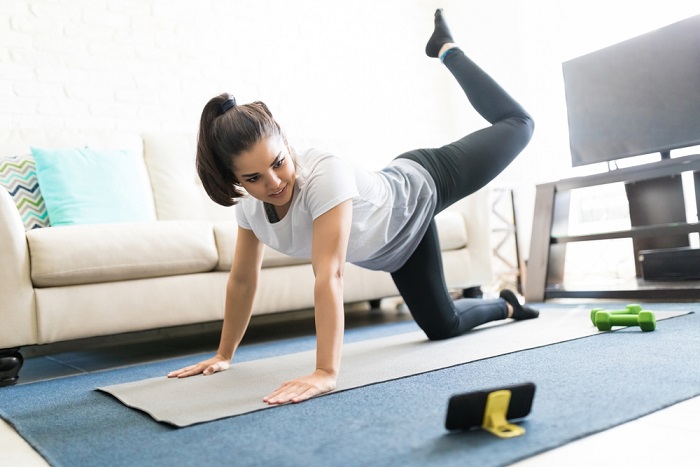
[392,209]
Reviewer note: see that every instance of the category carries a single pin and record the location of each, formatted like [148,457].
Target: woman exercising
[315,205]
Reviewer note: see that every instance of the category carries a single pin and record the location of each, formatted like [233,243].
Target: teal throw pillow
[90,186]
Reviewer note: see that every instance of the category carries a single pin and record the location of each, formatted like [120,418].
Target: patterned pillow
[18,177]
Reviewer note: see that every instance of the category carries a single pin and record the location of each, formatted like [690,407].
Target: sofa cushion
[226,233]
[84,254]
[92,186]
[451,230]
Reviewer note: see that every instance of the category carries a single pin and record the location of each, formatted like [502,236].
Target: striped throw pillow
[18,177]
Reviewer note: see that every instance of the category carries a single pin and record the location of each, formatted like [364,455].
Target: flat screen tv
[640,96]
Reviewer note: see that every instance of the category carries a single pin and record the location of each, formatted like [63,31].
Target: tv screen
[640,96]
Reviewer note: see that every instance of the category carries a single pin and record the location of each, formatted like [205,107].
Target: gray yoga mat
[184,402]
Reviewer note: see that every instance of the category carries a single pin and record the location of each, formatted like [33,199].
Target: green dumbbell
[604,320]
[629,310]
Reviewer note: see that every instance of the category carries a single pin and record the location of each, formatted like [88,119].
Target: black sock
[519,311]
[441,36]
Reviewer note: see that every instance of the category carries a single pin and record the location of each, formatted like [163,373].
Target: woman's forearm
[330,322]
[237,312]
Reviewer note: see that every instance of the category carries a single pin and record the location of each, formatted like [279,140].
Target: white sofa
[71,282]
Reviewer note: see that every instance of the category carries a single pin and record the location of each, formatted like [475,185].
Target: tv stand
[545,267]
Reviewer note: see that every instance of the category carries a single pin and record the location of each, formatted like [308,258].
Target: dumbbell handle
[645,320]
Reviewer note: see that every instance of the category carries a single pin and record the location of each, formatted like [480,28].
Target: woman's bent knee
[521,127]
[440,331]
[526,122]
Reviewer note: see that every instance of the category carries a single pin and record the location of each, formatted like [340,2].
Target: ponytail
[225,131]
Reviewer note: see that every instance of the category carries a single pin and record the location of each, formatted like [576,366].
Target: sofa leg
[10,363]
[375,304]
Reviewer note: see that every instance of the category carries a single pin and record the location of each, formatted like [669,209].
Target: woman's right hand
[207,367]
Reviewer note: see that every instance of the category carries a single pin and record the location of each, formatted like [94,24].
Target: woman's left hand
[303,388]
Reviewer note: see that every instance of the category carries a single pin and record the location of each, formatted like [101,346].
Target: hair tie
[227,104]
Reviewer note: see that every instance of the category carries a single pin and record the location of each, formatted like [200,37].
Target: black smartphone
[466,411]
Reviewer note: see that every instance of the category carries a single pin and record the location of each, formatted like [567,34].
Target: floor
[665,437]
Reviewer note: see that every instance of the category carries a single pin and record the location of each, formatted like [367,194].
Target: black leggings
[460,169]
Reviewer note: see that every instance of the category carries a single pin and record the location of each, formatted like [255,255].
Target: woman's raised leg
[465,166]
[459,169]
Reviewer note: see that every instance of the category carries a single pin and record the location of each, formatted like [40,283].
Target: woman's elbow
[333,276]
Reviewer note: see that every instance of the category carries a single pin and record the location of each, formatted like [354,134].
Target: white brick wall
[331,71]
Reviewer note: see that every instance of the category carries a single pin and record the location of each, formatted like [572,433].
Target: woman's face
[267,171]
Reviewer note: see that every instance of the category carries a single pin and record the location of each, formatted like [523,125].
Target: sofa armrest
[475,210]
[17,305]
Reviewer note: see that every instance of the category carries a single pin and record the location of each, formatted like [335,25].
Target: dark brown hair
[225,131]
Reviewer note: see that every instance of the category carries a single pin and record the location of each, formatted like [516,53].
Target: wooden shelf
[639,289]
[634,232]
[545,264]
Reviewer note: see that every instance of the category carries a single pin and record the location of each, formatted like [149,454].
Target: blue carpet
[583,386]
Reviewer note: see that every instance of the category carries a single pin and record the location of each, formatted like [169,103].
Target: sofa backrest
[177,190]
[19,141]
[169,159]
